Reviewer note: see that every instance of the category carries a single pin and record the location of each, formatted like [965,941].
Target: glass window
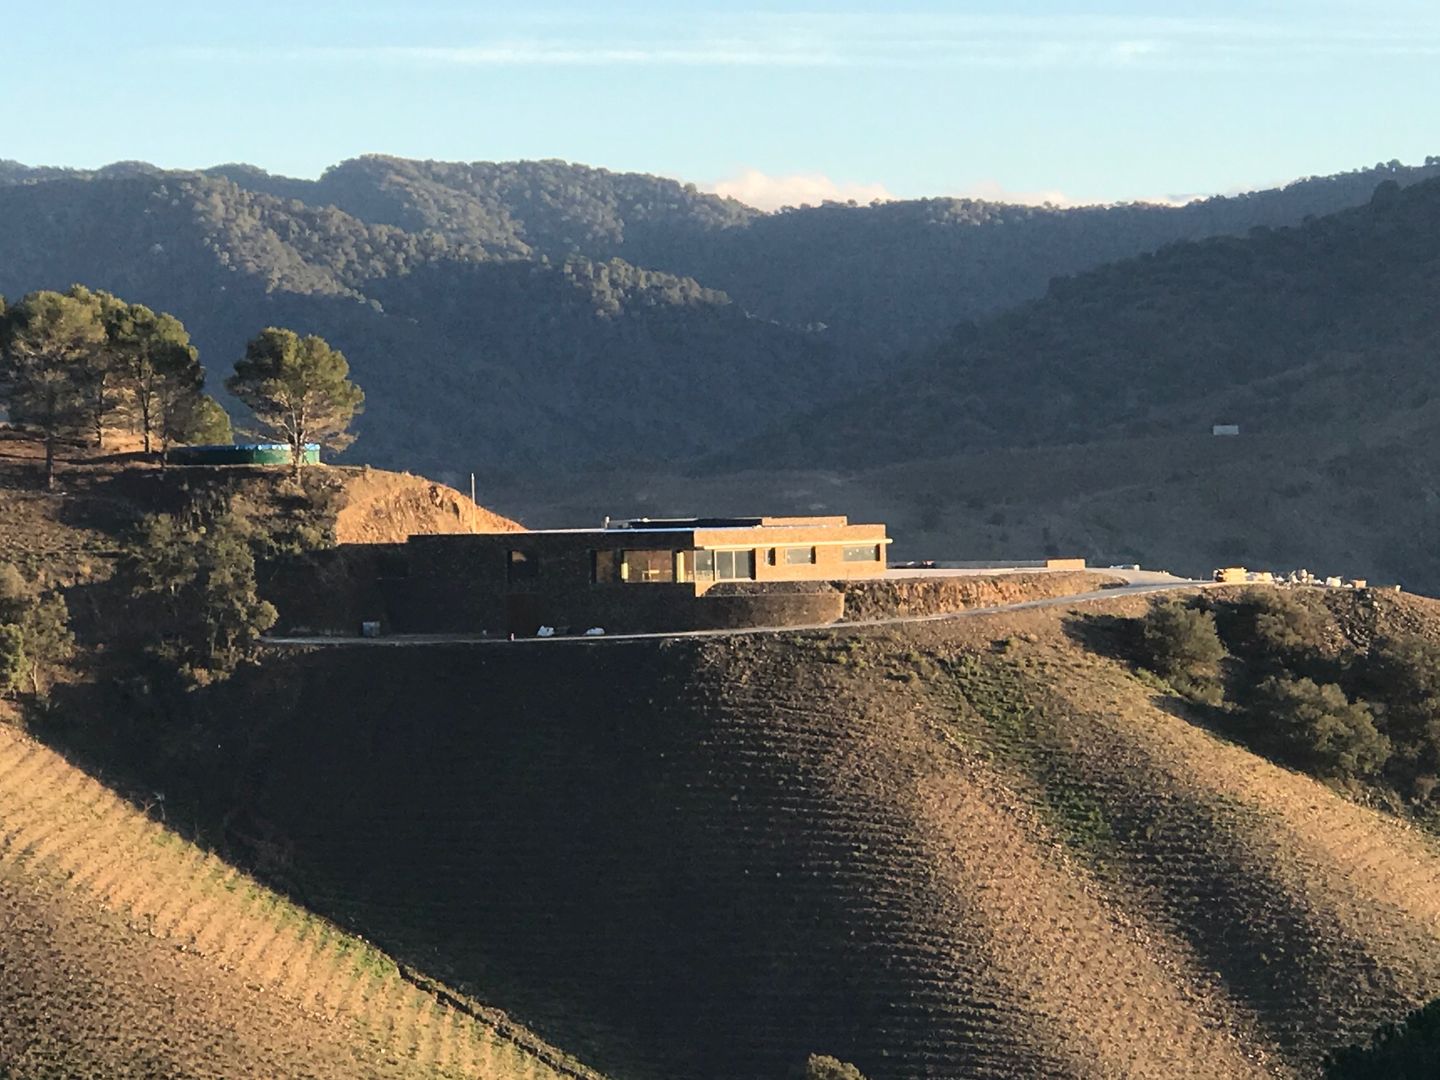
[648,565]
[799,556]
[605,567]
[735,565]
[861,553]
[523,567]
[704,565]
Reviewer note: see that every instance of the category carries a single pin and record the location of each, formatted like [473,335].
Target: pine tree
[299,390]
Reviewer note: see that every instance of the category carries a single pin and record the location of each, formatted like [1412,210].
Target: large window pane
[799,556]
[704,565]
[861,553]
[648,565]
[735,565]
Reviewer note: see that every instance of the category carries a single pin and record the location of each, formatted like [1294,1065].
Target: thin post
[472,502]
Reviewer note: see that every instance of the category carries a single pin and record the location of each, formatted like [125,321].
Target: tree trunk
[49,461]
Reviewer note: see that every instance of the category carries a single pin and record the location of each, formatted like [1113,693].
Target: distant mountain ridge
[528,312]
[1334,321]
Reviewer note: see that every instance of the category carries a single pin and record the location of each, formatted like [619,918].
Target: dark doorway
[522,612]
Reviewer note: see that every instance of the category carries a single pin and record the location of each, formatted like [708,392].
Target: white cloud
[765,192]
[994,191]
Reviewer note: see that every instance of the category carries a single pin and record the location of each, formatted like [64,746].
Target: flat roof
[639,527]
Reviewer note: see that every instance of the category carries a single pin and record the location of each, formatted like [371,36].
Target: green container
[242,454]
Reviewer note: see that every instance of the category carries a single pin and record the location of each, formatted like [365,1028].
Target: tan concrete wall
[828,541]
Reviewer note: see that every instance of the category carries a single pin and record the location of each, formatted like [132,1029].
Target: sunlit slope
[943,850]
[127,952]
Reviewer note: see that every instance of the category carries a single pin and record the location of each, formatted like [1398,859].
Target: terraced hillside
[127,952]
[971,849]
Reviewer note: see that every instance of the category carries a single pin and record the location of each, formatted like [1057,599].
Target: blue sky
[780,102]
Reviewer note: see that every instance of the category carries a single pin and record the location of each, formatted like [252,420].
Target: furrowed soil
[977,848]
[974,848]
[127,952]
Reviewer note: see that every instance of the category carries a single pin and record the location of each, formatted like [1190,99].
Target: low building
[631,576]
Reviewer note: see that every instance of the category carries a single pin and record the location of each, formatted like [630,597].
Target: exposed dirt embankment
[937,595]
[385,507]
[956,849]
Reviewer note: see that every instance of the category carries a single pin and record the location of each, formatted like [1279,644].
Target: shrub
[1402,677]
[15,594]
[205,616]
[12,657]
[1180,643]
[824,1067]
[1277,629]
[37,629]
[1318,728]
[1409,1050]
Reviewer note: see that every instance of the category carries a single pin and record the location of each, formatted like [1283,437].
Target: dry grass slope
[127,952]
[973,849]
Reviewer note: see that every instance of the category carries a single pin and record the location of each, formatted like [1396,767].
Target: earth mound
[384,507]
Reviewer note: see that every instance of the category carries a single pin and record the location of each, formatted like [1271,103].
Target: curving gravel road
[1137,583]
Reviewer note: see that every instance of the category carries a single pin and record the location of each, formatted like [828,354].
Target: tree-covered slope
[886,277]
[1333,322]
[468,358]
[516,313]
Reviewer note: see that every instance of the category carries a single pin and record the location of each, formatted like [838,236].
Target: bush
[1318,728]
[1402,677]
[37,627]
[824,1067]
[198,582]
[13,663]
[15,594]
[1409,1050]
[1278,629]
[1180,643]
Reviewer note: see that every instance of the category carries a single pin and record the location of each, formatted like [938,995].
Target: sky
[779,103]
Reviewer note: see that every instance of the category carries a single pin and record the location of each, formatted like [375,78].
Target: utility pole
[472,502]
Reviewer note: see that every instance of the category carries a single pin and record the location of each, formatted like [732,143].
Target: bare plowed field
[126,952]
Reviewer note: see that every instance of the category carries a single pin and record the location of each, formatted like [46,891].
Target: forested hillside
[470,359]
[1333,323]
[540,313]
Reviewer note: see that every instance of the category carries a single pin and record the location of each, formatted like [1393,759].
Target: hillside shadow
[1113,636]
[501,827]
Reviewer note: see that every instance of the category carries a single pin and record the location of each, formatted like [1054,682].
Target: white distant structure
[1225,429]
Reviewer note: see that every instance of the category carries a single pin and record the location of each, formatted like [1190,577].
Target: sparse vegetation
[1298,689]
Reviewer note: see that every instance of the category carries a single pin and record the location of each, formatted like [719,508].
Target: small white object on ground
[545,631]
[595,631]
